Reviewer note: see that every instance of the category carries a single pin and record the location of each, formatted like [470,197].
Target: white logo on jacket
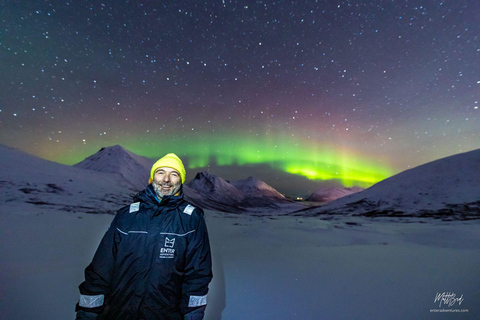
[167,252]
[169,243]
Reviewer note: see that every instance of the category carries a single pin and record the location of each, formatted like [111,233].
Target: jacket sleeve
[198,273]
[98,275]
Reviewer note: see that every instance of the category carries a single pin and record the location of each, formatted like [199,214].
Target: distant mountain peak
[255,187]
[115,150]
[115,159]
[331,193]
[207,183]
[210,191]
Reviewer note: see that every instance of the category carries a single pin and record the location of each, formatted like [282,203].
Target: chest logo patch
[168,252]
[134,207]
[169,243]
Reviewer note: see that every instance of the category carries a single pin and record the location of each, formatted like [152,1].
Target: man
[154,261]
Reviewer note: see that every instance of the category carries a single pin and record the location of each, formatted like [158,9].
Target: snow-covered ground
[268,267]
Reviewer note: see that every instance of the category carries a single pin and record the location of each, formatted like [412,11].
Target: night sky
[349,90]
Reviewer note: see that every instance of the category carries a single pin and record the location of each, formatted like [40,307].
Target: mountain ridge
[447,188]
[112,175]
[212,192]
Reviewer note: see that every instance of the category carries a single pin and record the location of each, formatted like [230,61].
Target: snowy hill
[27,181]
[132,168]
[212,192]
[447,188]
[332,193]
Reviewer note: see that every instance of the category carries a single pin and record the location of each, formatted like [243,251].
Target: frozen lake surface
[265,267]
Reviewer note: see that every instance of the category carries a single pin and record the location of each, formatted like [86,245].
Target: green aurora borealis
[312,161]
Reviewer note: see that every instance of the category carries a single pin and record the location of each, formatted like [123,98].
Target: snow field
[264,267]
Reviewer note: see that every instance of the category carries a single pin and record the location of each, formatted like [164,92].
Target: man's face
[166,181]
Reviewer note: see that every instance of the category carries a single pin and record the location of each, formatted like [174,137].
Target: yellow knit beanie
[171,161]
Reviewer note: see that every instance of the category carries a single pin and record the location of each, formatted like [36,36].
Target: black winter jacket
[153,263]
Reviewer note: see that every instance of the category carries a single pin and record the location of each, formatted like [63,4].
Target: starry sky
[349,90]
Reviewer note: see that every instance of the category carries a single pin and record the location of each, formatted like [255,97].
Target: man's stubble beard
[160,193]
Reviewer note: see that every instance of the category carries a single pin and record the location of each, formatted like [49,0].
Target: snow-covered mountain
[212,192]
[106,180]
[332,193]
[256,188]
[205,190]
[26,181]
[131,167]
[447,188]
[215,187]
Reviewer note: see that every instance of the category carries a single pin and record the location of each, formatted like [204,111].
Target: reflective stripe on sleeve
[197,301]
[91,301]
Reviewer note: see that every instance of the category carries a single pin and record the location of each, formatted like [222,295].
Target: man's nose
[166,177]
